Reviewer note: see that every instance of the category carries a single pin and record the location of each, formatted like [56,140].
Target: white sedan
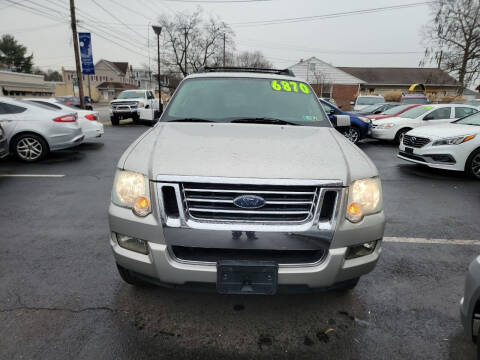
[454,146]
[87,119]
[426,115]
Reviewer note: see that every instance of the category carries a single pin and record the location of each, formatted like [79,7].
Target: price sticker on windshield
[290,86]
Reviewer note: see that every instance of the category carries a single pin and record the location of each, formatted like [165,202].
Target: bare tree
[321,84]
[251,59]
[455,39]
[192,42]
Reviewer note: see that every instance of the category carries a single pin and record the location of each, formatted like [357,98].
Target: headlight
[453,140]
[364,198]
[141,104]
[364,119]
[385,126]
[130,189]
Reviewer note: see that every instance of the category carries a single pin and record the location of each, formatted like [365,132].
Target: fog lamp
[133,244]
[360,250]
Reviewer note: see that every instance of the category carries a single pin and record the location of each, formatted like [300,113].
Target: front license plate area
[409,150]
[247,277]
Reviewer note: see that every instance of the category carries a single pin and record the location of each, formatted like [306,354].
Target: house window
[311,66]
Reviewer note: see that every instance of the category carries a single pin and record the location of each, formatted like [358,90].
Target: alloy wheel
[29,149]
[476,166]
[352,135]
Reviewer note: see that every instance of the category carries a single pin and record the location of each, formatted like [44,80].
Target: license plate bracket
[247,277]
[409,150]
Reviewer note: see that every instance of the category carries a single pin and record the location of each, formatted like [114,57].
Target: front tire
[353,134]
[115,120]
[127,276]
[472,166]
[29,148]
[400,134]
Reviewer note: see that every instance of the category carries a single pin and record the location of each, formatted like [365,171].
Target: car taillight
[91,117]
[68,103]
[66,118]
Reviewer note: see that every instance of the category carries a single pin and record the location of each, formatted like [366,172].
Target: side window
[463,111]
[12,109]
[150,95]
[439,114]
[2,110]
[328,109]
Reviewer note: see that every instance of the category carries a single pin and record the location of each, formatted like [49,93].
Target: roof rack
[286,72]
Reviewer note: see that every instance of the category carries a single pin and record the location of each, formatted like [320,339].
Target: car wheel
[353,134]
[136,119]
[127,276]
[29,147]
[400,134]
[347,285]
[473,164]
[115,120]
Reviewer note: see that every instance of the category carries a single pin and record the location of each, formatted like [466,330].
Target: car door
[438,116]
[9,117]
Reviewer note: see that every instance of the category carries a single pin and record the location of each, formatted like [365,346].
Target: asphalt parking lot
[61,296]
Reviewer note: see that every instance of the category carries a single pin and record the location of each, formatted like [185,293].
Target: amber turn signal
[354,213]
[141,206]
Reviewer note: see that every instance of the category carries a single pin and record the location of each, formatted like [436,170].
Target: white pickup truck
[130,102]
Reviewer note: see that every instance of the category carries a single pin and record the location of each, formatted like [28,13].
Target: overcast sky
[356,40]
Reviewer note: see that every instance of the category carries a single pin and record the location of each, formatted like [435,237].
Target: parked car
[453,146]
[365,100]
[127,104]
[360,127]
[376,108]
[3,143]
[470,303]
[394,128]
[474,102]
[88,120]
[249,196]
[415,98]
[33,130]
[392,112]
[75,101]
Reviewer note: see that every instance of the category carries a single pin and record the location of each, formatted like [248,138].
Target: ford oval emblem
[249,202]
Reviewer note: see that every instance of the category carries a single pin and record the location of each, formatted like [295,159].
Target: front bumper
[383,134]
[161,264]
[439,157]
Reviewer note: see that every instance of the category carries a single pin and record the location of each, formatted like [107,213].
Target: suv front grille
[283,203]
[415,141]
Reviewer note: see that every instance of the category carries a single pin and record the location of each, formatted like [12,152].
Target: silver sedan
[33,130]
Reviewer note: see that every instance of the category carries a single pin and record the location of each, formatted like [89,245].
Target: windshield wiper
[190,120]
[263,120]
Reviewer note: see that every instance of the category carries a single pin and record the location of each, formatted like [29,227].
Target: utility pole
[149,67]
[440,59]
[224,41]
[186,72]
[158,31]
[77,54]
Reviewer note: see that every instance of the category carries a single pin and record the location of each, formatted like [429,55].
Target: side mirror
[352,102]
[428,117]
[341,121]
[332,111]
[115,98]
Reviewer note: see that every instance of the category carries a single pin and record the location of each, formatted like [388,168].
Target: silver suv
[245,186]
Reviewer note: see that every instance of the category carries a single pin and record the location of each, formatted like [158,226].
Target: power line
[217,2]
[329,16]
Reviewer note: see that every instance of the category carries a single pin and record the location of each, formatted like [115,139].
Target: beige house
[109,80]
[22,85]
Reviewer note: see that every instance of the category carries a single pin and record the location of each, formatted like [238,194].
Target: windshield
[415,112]
[369,100]
[371,108]
[415,100]
[394,110]
[470,120]
[131,95]
[229,99]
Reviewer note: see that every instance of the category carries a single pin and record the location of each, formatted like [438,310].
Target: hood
[127,100]
[445,131]
[378,116]
[247,150]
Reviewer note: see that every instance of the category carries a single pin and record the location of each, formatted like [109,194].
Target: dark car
[376,108]
[3,143]
[360,127]
[75,101]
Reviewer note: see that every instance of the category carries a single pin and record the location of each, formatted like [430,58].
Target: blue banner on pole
[85,42]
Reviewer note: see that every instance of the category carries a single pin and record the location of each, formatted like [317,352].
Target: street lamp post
[158,31]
